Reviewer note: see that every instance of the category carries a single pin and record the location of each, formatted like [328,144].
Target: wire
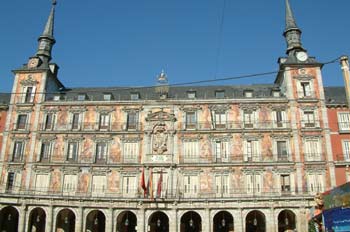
[197,82]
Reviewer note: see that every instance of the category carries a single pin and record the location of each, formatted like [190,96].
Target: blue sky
[127,43]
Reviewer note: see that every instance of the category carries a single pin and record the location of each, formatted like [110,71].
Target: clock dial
[302,56]
[33,63]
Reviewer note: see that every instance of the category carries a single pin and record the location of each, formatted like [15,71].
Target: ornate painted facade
[195,158]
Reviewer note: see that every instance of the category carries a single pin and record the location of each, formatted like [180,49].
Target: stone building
[194,158]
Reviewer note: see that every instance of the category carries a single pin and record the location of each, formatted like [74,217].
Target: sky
[109,43]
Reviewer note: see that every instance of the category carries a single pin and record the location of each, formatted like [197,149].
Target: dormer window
[107,97]
[248,93]
[276,93]
[219,94]
[56,98]
[191,94]
[81,97]
[135,96]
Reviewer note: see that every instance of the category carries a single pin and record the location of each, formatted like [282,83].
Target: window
[315,183]
[312,150]
[191,95]
[49,121]
[346,150]
[99,185]
[18,151]
[101,152]
[75,121]
[219,94]
[41,183]
[135,96]
[132,121]
[29,93]
[45,151]
[156,178]
[221,151]
[10,181]
[191,120]
[190,186]
[276,93]
[81,97]
[282,152]
[104,121]
[309,119]
[220,120]
[69,184]
[21,122]
[130,152]
[253,183]
[72,151]
[249,119]
[107,97]
[221,185]
[306,89]
[248,94]
[129,186]
[344,121]
[191,151]
[279,118]
[285,183]
[251,151]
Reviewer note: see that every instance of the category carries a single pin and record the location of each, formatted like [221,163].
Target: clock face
[302,56]
[33,63]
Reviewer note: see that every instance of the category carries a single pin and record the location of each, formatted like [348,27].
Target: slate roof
[5,98]
[335,95]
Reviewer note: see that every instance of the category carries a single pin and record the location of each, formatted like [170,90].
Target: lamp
[158,222]
[255,220]
[191,221]
[127,219]
[96,221]
[9,217]
[38,218]
[286,220]
[66,220]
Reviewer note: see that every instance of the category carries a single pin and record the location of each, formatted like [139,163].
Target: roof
[5,98]
[335,95]
[175,93]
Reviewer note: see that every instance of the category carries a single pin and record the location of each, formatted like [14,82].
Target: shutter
[292,183]
[32,96]
[258,183]
[278,185]
[218,184]
[346,149]
[18,182]
[245,151]
[249,183]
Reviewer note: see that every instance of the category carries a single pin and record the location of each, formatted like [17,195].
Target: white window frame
[25,126]
[344,121]
[346,149]
[312,149]
[191,151]
[252,150]
[222,185]
[275,149]
[191,124]
[221,150]
[131,150]
[48,150]
[190,185]
[16,155]
[220,119]
[101,155]
[98,181]
[68,151]
[305,91]
[129,189]
[25,95]
[41,185]
[254,183]
[104,121]
[79,121]
[279,118]
[250,118]
[315,183]
[310,120]
[46,121]
[69,188]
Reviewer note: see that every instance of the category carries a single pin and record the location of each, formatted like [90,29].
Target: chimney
[344,61]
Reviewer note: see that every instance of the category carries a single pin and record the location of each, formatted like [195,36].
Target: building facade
[194,158]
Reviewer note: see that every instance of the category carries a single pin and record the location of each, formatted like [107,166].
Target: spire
[292,33]
[47,40]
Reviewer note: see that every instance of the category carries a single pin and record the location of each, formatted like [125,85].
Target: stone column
[109,220]
[140,215]
[79,220]
[272,226]
[113,224]
[22,218]
[206,221]
[49,220]
[173,220]
[237,220]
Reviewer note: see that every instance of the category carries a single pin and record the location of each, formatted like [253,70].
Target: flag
[150,183]
[143,184]
[159,185]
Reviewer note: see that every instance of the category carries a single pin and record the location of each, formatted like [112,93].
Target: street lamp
[255,220]
[191,221]
[96,221]
[66,220]
[127,219]
[9,217]
[158,222]
[38,219]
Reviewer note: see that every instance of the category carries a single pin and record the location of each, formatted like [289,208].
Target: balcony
[310,125]
[305,96]
[91,127]
[344,127]
[162,159]
[20,127]
[314,157]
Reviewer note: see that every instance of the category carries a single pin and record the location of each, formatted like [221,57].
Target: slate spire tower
[47,40]
[292,32]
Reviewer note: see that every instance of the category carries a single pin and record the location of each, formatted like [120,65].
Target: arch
[191,221]
[223,222]
[95,221]
[126,222]
[37,220]
[65,220]
[286,221]
[255,222]
[9,219]
[158,222]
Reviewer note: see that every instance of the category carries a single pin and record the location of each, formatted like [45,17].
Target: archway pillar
[140,217]
[22,214]
[49,219]
[109,220]
[269,219]
[206,221]
[173,220]
[237,219]
[79,220]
